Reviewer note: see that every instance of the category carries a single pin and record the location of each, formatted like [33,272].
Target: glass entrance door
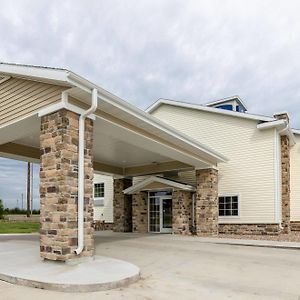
[166,215]
[160,212]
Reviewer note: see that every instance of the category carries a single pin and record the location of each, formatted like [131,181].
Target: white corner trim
[277,177]
[152,179]
[63,105]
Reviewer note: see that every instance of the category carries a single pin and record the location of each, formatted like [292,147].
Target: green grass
[18,227]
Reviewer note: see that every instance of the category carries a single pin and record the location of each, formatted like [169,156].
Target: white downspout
[81,144]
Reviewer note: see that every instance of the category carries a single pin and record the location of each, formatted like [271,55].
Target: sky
[195,51]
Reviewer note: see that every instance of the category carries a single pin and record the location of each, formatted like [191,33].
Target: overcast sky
[194,51]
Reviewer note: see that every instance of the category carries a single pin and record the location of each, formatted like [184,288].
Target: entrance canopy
[127,140]
[158,183]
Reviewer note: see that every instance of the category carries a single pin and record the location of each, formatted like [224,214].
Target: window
[225,106]
[228,206]
[99,190]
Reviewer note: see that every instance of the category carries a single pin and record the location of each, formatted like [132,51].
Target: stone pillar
[182,212]
[285,176]
[285,183]
[122,206]
[59,186]
[207,202]
[140,212]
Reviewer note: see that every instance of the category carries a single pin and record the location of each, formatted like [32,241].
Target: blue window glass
[225,106]
[240,108]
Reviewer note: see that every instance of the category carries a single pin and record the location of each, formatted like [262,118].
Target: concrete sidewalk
[246,242]
[21,264]
[211,240]
[188,268]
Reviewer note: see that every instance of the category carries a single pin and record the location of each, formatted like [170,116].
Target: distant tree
[1,209]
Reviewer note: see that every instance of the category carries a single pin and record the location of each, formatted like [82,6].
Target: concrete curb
[70,288]
[21,264]
[247,243]
[259,245]
[256,243]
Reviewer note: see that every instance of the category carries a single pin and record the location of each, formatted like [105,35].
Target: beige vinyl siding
[19,98]
[187,177]
[105,212]
[250,171]
[295,180]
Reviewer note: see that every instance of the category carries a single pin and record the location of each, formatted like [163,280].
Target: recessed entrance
[160,211]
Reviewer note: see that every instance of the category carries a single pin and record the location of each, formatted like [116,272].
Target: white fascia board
[36,72]
[236,114]
[272,124]
[153,179]
[282,126]
[62,105]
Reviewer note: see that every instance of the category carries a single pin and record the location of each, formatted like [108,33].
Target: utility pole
[31,188]
[22,201]
[28,189]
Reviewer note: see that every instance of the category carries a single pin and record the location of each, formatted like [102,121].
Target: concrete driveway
[175,267]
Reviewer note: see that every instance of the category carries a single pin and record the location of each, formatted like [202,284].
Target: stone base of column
[59,187]
[285,186]
[122,206]
[182,212]
[206,207]
[140,212]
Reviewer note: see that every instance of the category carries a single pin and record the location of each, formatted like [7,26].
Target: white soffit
[114,106]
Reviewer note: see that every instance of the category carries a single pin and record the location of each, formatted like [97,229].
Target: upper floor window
[228,206]
[99,190]
[225,106]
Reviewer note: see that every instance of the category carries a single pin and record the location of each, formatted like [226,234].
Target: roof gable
[163,183]
[199,107]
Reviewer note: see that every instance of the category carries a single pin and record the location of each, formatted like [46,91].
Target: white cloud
[186,50]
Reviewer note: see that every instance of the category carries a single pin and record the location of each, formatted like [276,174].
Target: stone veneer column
[122,206]
[140,212]
[59,186]
[207,202]
[285,183]
[182,212]
[285,176]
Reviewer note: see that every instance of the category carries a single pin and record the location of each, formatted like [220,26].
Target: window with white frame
[99,194]
[228,206]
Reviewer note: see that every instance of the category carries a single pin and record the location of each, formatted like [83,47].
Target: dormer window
[233,104]
[225,106]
